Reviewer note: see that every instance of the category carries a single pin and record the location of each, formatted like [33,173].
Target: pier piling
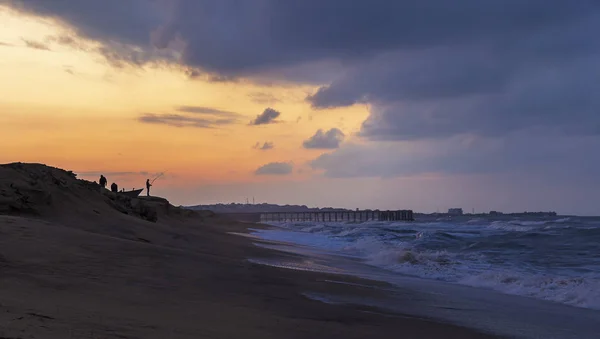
[337,216]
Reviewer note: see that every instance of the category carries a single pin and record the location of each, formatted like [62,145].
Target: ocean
[520,277]
[551,258]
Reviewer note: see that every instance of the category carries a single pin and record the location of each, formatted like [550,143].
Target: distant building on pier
[455,211]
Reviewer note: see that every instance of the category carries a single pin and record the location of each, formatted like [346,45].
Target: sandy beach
[78,263]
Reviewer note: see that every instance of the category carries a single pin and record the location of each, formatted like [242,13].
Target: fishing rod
[158,176]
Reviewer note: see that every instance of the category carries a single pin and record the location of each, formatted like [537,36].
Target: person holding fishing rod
[149,183]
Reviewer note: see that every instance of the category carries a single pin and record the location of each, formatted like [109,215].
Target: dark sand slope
[76,263]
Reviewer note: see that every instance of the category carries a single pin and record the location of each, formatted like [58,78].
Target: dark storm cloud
[562,98]
[267,145]
[427,68]
[543,78]
[416,76]
[177,120]
[542,154]
[115,54]
[268,116]
[325,140]
[250,36]
[275,168]
[129,22]
[267,33]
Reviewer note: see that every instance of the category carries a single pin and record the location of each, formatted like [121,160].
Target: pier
[338,216]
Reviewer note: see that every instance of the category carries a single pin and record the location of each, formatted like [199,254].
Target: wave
[473,270]
[581,292]
[513,226]
[553,260]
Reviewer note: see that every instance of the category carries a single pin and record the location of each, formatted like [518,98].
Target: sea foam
[553,260]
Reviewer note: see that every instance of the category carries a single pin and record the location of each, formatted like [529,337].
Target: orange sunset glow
[67,106]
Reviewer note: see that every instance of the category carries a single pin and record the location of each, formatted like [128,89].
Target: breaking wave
[555,259]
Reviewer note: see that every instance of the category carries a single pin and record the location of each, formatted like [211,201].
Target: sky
[423,105]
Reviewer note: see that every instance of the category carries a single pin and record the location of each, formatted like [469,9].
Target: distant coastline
[265,207]
[261,208]
[492,214]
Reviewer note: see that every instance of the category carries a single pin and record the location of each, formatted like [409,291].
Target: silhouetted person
[148,184]
[102,182]
[114,188]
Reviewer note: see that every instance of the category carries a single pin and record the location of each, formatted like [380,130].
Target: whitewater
[553,258]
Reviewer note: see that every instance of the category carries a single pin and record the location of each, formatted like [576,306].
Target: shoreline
[108,287]
[473,307]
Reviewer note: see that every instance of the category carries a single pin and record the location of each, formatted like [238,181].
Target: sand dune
[76,262]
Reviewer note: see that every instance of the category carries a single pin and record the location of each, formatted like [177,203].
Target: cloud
[115,53]
[121,56]
[267,145]
[275,168]
[130,23]
[69,69]
[193,73]
[429,71]
[36,45]
[221,78]
[177,120]
[268,116]
[527,151]
[538,100]
[68,41]
[324,140]
[5,44]
[263,98]
[420,75]
[254,36]
[196,116]
[208,111]
[448,93]
[474,69]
